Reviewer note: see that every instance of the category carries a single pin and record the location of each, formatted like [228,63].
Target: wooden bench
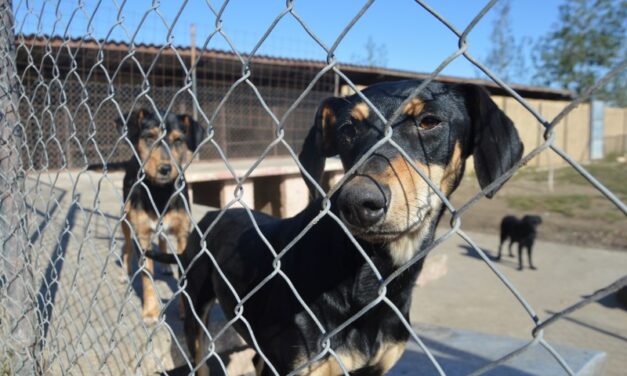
[275,187]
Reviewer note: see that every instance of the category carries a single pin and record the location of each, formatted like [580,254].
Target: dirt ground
[573,213]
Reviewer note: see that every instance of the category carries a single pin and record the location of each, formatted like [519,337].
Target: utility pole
[193,68]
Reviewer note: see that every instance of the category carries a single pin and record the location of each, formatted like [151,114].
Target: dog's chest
[354,359]
[171,223]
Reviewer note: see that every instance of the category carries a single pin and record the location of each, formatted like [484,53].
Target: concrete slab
[460,352]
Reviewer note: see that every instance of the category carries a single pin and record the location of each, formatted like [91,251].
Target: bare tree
[375,55]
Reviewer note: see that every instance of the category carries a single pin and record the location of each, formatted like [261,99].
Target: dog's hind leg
[195,334]
[498,257]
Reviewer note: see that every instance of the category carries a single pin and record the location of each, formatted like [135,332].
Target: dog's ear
[133,124]
[494,140]
[320,141]
[194,131]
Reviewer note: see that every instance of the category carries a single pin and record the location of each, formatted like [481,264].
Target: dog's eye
[429,122]
[178,141]
[347,130]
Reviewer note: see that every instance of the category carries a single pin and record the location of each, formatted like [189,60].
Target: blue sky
[414,39]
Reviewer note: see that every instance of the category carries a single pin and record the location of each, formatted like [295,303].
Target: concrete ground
[92,324]
[470,296]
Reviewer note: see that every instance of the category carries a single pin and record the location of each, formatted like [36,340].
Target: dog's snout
[165,169]
[362,202]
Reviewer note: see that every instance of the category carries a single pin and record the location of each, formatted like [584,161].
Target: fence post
[596,129]
[17,335]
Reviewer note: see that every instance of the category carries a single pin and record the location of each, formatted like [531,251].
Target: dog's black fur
[522,231]
[387,207]
[162,150]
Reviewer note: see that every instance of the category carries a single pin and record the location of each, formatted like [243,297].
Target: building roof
[360,74]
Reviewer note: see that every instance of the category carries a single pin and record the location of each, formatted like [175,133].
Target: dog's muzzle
[363,203]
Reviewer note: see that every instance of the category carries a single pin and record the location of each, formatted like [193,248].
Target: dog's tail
[165,258]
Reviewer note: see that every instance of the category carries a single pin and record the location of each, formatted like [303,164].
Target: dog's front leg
[529,250]
[181,241]
[520,252]
[128,253]
[150,309]
[163,247]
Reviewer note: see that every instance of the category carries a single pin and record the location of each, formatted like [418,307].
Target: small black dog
[386,205]
[162,149]
[522,231]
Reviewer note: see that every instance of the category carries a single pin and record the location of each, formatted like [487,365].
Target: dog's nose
[362,203]
[165,169]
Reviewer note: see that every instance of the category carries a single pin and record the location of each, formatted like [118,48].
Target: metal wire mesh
[60,314]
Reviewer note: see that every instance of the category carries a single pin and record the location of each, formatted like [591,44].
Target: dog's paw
[150,319]
[533,267]
[123,278]
[520,268]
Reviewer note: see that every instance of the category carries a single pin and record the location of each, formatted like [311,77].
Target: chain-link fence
[63,309]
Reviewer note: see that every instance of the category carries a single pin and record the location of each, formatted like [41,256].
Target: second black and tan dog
[162,147]
[386,206]
[522,231]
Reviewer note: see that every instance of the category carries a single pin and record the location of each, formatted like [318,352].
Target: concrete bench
[275,187]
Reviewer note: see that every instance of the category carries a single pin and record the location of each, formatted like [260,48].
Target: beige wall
[572,132]
[615,121]
[615,131]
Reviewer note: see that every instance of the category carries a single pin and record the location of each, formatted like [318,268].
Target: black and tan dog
[162,148]
[522,231]
[386,205]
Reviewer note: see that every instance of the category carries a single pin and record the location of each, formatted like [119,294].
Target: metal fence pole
[16,280]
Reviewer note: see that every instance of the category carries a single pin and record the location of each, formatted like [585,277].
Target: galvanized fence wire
[30,212]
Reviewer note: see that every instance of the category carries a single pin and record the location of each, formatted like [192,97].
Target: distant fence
[278,79]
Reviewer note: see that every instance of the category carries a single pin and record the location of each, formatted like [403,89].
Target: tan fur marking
[128,251]
[388,355]
[259,366]
[360,111]
[141,223]
[330,366]
[151,158]
[328,121]
[154,158]
[452,170]
[414,107]
[328,117]
[404,183]
[412,205]
[178,224]
[173,136]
